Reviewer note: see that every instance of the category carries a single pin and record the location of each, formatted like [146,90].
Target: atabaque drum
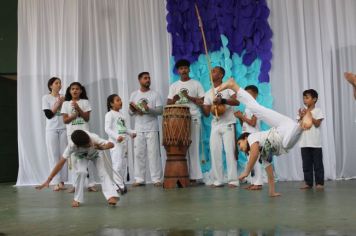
[176,140]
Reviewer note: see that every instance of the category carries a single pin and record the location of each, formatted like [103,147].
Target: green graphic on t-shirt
[90,155]
[78,121]
[120,126]
[142,103]
[183,99]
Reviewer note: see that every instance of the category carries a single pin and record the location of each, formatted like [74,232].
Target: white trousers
[257,179]
[288,129]
[223,135]
[81,172]
[119,162]
[56,142]
[146,148]
[90,166]
[192,156]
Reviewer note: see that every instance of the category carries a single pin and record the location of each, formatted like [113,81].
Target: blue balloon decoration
[238,38]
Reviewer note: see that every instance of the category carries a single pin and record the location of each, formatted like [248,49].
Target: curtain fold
[313,44]
[93,42]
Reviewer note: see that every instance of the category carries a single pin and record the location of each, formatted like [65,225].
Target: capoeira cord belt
[108,165]
[266,152]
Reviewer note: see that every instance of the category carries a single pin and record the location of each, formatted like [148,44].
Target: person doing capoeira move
[283,135]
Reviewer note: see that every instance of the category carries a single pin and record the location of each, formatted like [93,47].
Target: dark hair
[243,136]
[80,138]
[222,70]
[109,100]
[182,62]
[252,88]
[311,92]
[142,74]
[51,81]
[83,95]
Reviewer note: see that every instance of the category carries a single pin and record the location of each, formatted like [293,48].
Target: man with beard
[146,106]
[191,93]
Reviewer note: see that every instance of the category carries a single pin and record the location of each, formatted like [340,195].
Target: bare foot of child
[256,187]
[275,194]
[112,201]
[137,184]
[248,187]
[92,189]
[71,190]
[229,84]
[307,121]
[232,186]
[319,187]
[75,203]
[59,187]
[305,187]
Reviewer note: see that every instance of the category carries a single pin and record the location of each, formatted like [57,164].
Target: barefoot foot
[275,194]
[256,187]
[112,201]
[232,186]
[229,84]
[248,187]
[92,189]
[59,187]
[71,190]
[319,187]
[305,187]
[75,203]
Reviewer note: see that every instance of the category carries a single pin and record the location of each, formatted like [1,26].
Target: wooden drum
[176,140]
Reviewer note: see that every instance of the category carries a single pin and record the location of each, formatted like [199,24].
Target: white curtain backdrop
[102,44]
[105,44]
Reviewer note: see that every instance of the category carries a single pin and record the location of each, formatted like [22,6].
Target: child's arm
[131,132]
[54,172]
[68,118]
[317,122]
[254,154]
[103,146]
[232,101]
[112,134]
[84,114]
[252,122]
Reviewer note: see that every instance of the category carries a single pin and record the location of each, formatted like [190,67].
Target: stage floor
[193,211]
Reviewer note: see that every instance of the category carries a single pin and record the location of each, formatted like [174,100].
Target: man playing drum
[191,93]
[222,130]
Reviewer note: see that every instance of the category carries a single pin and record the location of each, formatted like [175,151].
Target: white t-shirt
[146,122]
[311,137]
[274,138]
[246,128]
[115,125]
[79,122]
[89,153]
[56,122]
[228,116]
[193,88]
